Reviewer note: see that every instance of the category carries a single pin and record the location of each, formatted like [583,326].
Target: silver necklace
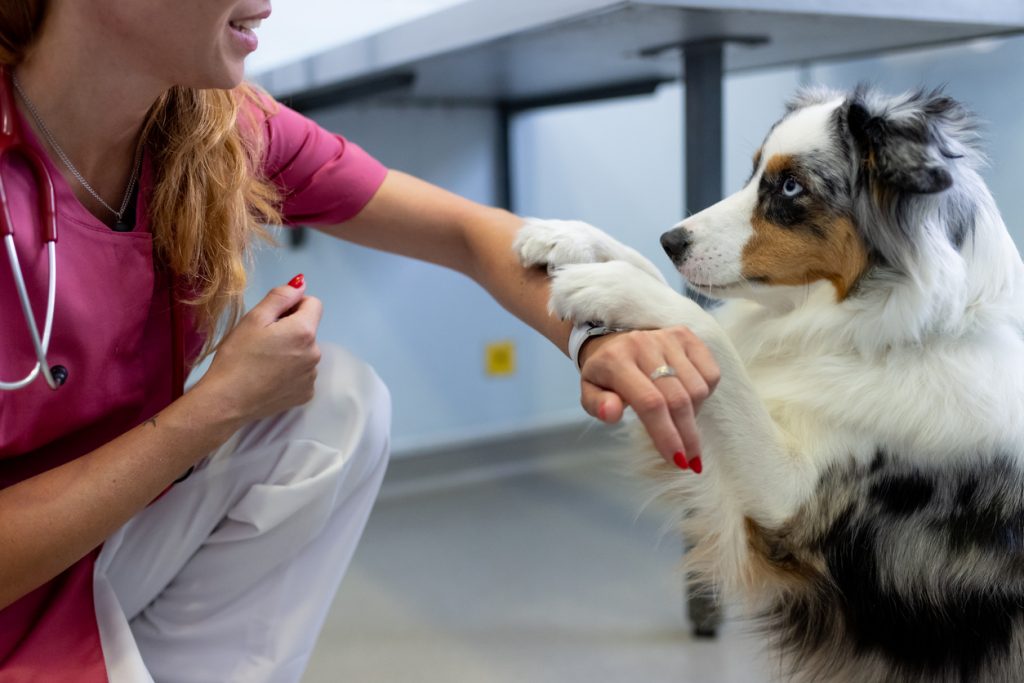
[121,225]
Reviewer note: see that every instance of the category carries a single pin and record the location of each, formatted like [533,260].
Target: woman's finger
[605,405]
[277,302]
[637,390]
[303,321]
[666,406]
[685,392]
[700,356]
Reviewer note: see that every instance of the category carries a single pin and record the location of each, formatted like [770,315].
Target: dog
[863,485]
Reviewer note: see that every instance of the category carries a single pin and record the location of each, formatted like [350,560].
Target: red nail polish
[697,465]
[680,461]
[297,281]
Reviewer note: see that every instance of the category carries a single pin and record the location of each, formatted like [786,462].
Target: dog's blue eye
[791,187]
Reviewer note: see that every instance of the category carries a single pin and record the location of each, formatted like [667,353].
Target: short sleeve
[324,179]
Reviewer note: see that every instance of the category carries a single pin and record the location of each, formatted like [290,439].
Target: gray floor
[531,567]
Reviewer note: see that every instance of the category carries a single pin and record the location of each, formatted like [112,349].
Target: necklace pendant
[123,226]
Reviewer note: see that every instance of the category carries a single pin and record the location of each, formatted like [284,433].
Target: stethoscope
[12,143]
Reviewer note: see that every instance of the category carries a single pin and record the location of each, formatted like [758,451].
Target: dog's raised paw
[615,292]
[556,243]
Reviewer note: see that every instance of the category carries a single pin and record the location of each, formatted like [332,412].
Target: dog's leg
[753,479]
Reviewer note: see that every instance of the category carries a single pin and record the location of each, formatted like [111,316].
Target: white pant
[230,575]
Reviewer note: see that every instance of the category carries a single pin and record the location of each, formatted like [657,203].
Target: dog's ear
[899,149]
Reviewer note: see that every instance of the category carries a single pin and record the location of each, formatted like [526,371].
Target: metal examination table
[518,55]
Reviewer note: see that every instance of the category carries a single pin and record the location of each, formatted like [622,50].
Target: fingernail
[696,465]
[602,414]
[680,461]
[297,281]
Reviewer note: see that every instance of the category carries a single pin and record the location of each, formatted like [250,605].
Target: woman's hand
[267,363]
[616,372]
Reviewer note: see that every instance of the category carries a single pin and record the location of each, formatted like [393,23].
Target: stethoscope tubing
[12,143]
[41,345]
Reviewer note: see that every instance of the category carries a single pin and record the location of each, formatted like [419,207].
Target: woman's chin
[225,76]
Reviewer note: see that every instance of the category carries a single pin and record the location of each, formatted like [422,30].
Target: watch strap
[581,332]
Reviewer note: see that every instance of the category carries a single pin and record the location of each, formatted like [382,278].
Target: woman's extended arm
[413,218]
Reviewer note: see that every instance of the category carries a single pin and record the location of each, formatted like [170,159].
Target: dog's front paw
[554,244]
[617,293]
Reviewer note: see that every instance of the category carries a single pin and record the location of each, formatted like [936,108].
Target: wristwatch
[581,332]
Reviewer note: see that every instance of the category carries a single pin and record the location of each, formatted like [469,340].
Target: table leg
[702,71]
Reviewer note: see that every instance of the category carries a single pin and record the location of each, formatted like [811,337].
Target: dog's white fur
[929,366]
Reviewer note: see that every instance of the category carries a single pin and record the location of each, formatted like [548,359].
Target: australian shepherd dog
[863,485]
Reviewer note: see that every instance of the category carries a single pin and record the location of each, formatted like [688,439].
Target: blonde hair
[210,198]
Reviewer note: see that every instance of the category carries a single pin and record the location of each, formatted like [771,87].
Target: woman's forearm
[493,264]
[414,218]
[50,521]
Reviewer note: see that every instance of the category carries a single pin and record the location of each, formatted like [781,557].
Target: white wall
[302,29]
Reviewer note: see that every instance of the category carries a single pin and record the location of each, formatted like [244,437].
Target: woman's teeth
[246,24]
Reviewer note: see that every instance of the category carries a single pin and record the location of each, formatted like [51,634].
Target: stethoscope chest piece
[60,374]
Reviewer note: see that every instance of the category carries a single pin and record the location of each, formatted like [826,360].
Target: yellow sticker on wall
[500,359]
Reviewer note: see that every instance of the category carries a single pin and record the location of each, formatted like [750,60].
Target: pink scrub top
[112,332]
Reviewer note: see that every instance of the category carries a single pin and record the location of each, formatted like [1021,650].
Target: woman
[164,163]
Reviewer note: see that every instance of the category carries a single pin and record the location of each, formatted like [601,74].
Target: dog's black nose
[676,243]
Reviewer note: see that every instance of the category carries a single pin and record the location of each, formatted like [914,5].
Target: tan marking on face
[779,163]
[784,256]
[790,255]
[757,158]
